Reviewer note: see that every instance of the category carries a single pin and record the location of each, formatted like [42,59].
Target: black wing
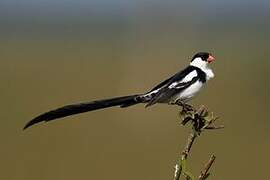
[177,77]
[162,83]
[166,92]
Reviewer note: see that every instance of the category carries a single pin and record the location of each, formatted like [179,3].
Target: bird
[176,90]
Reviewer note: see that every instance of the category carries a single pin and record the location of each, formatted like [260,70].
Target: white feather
[186,79]
[173,85]
[203,65]
[190,76]
[189,92]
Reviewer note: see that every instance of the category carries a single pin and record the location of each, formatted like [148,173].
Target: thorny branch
[201,120]
[204,173]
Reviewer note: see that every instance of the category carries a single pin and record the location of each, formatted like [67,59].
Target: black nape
[203,55]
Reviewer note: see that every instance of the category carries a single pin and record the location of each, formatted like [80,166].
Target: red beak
[210,59]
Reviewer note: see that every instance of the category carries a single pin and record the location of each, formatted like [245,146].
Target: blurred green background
[59,52]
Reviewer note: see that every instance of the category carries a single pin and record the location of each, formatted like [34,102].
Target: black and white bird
[179,88]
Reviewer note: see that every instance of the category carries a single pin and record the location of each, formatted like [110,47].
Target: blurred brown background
[59,52]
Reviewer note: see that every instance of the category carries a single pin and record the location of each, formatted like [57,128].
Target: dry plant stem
[204,173]
[181,164]
[201,120]
[189,144]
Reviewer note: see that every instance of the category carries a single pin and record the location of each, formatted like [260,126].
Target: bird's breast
[189,92]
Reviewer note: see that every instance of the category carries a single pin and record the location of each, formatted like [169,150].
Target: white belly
[190,92]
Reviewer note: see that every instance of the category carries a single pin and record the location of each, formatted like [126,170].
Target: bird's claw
[185,107]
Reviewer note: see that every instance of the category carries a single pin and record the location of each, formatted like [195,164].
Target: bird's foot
[186,108]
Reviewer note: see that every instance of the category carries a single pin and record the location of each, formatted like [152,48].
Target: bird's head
[202,59]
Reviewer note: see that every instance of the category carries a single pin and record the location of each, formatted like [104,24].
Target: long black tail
[68,110]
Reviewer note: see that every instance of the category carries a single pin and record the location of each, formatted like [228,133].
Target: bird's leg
[185,107]
[187,111]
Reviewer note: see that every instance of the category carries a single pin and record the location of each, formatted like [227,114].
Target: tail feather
[84,107]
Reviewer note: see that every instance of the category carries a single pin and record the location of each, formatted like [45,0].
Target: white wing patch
[190,76]
[173,85]
[186,79]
